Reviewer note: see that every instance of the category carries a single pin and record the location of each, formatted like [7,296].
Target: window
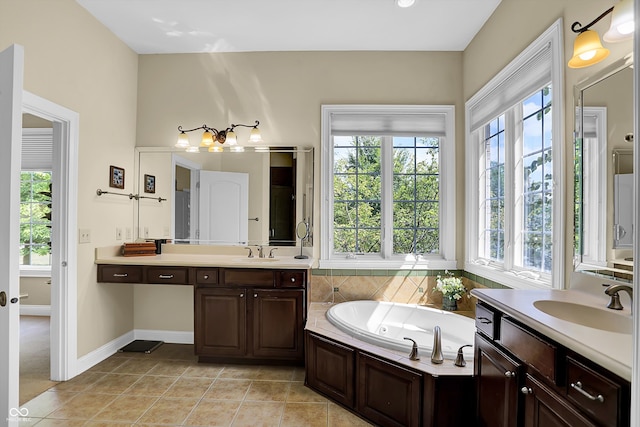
[35,218]
[514,176]
[387,204]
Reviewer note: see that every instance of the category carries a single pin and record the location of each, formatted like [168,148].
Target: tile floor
[169,388]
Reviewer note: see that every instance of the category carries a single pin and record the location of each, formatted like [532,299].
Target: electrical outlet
[336,289]
[118,233]
[128,233]
[84,235]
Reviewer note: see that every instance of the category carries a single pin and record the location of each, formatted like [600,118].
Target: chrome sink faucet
[260,251]
[612,291]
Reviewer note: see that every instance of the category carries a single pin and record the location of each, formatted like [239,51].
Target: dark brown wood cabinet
[220,322]
[526,379]
[278,321]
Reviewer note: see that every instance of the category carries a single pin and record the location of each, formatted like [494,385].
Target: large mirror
[604,147]
[253,197]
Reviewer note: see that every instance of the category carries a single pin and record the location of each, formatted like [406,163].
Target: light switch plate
[84,235]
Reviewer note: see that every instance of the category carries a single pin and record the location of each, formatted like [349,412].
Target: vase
[449,303]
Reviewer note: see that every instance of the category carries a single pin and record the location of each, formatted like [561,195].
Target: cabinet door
[545,408]
[330,369]
[497,381]
[278,324]
[220,322]
[388,395]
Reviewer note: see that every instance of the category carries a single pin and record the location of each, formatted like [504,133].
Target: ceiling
[188,26]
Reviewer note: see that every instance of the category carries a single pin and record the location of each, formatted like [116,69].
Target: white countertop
[611,350]
[205,256]
[318,323]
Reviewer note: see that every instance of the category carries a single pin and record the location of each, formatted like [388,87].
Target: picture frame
[149,183]
[116,177]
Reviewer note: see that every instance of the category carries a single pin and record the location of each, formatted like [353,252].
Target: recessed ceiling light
[405,3]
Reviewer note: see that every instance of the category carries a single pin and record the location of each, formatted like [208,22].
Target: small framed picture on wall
[149,183]
[116,177]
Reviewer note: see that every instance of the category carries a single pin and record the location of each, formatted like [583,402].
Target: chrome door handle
[165,276]
[526,390]
[577,386]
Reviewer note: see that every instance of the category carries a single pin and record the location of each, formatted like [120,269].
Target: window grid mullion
[513,204]
[386,182]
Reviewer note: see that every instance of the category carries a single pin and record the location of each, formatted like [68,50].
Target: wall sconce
[212,138]
[587,48]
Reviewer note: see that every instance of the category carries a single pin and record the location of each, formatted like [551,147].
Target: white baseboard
[35,310]
[174,337]
[91,359]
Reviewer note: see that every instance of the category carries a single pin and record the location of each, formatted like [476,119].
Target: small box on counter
[139,249]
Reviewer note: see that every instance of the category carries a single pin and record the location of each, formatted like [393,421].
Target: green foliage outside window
[35,218]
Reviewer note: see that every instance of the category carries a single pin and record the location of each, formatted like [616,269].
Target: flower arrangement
[450,286]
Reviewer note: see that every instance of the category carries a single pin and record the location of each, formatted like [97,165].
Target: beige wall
[511,28]
[38,289]
[73,61]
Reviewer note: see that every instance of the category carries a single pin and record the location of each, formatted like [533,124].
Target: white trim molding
[35,310]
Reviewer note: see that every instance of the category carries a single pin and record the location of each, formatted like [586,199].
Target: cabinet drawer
[487,321]
[249,277]
[540,354]
[120,273]
[207,276]
[593,393]
[168,275]
[292,279]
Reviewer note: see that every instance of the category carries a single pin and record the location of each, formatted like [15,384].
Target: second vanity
[245,309]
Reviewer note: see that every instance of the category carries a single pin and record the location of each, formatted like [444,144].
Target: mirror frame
[307,209]
[579,264]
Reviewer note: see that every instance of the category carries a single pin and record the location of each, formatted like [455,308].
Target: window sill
[506,278]
[30,271]
[388,264]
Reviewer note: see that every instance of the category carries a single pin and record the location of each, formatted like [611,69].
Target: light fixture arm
[218,135]
[246,126]
[577,27]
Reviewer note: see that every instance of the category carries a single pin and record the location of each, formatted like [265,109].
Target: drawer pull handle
[577,386]
[509,374]
[293,280]
[255,295]
[526,390]
[484,320]
[120,275]
[166,276]
[206,276]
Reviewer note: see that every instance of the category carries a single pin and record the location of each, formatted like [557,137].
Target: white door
[224,207]
[11,78]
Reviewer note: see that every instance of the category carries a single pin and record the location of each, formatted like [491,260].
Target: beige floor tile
[275,373]
[134,366]
[114,383]
[340,417]
[228,389]
[60,423]
[298,374]
[240,372]
[107,424]
[275,391]
[83,406]
[126,409]
[47,402]
[304,415]
[169,411]
[189,387]
[203,370]
[213,413]
[170,368]
[151,385]
[108,365]
[80,383]
[299,393]
[259,414]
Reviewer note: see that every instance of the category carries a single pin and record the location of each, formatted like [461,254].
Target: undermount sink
[585,315]
[256,260]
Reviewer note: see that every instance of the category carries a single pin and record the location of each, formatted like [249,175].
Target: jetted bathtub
[385,324]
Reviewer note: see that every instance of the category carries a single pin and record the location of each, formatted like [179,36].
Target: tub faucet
[612,291]
[414,350]
[436,353]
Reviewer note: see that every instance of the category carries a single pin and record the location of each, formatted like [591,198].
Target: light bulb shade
[231,138]
[587,50]
[255,135]
[622,23]
[405,3]
[193,149]
[183,140]
[215,149]
[207,139]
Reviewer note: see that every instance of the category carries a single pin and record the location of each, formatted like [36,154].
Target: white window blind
[37,149]
[534,74]
[382,124]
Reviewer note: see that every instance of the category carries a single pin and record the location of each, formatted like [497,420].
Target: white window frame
[505,273]
[446,258]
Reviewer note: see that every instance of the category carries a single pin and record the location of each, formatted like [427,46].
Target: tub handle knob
[460,357]
[414,350]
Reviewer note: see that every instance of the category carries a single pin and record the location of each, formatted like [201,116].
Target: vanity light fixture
[212,138]
[405,3]
[587,48]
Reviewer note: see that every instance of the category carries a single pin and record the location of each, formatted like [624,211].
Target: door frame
[64,269]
